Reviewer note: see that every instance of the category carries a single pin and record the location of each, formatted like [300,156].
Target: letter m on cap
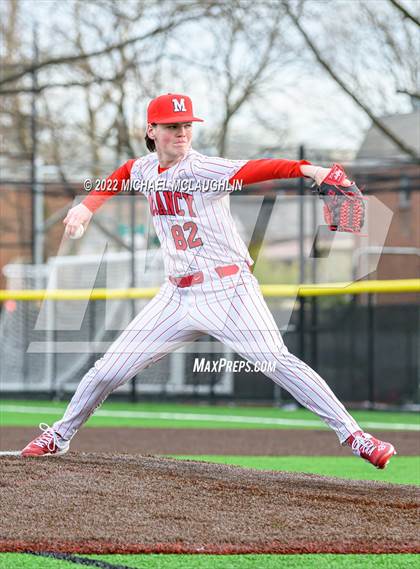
[179,105]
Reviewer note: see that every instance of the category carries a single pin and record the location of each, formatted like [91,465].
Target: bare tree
[238,56]
[405,12]
[14,113]
[242,51]
[342,41]
[179,14]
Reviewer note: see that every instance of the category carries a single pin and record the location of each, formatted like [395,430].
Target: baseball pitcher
[209,288]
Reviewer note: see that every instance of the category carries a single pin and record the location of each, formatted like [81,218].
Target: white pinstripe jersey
[195,227]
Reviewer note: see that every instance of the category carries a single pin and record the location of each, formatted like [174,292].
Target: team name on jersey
[171,203]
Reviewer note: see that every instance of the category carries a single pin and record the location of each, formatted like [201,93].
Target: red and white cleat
[373,450]
[46,444]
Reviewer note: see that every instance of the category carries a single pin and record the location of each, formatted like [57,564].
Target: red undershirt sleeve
[97,198]
[268,169]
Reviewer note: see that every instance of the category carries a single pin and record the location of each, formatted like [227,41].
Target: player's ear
[151,131]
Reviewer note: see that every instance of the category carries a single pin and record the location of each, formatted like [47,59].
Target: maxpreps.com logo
[201,365]
[179,105]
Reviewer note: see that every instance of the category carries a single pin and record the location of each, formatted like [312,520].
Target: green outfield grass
[401,470]
[320,561]
[30,413]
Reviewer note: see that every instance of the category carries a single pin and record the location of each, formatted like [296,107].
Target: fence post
[314,299]
[133,268]
[371,351]
[301,257]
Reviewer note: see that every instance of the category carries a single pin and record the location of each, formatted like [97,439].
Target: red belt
[197,278]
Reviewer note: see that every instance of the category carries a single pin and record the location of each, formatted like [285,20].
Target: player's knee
[276,359]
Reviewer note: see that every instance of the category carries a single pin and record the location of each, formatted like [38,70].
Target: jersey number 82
[184,240]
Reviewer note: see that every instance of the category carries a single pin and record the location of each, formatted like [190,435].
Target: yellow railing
[320,289]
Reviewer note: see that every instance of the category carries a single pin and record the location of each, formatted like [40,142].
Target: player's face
[172,140]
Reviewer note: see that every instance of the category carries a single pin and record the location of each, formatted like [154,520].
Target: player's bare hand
[77,216]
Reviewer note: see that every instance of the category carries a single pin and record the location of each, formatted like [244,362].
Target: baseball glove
[344,206]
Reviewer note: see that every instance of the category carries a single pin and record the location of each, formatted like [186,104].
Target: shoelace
[49,436]
[362,444]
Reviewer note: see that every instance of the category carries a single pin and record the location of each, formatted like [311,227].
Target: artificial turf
[401,470]
[206,416]
[153,561]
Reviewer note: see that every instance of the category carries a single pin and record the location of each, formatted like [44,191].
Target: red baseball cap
[171,108]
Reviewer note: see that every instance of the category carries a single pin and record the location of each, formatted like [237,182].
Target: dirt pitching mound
[95,503]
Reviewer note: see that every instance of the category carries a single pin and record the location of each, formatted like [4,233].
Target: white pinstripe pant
[233,311]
